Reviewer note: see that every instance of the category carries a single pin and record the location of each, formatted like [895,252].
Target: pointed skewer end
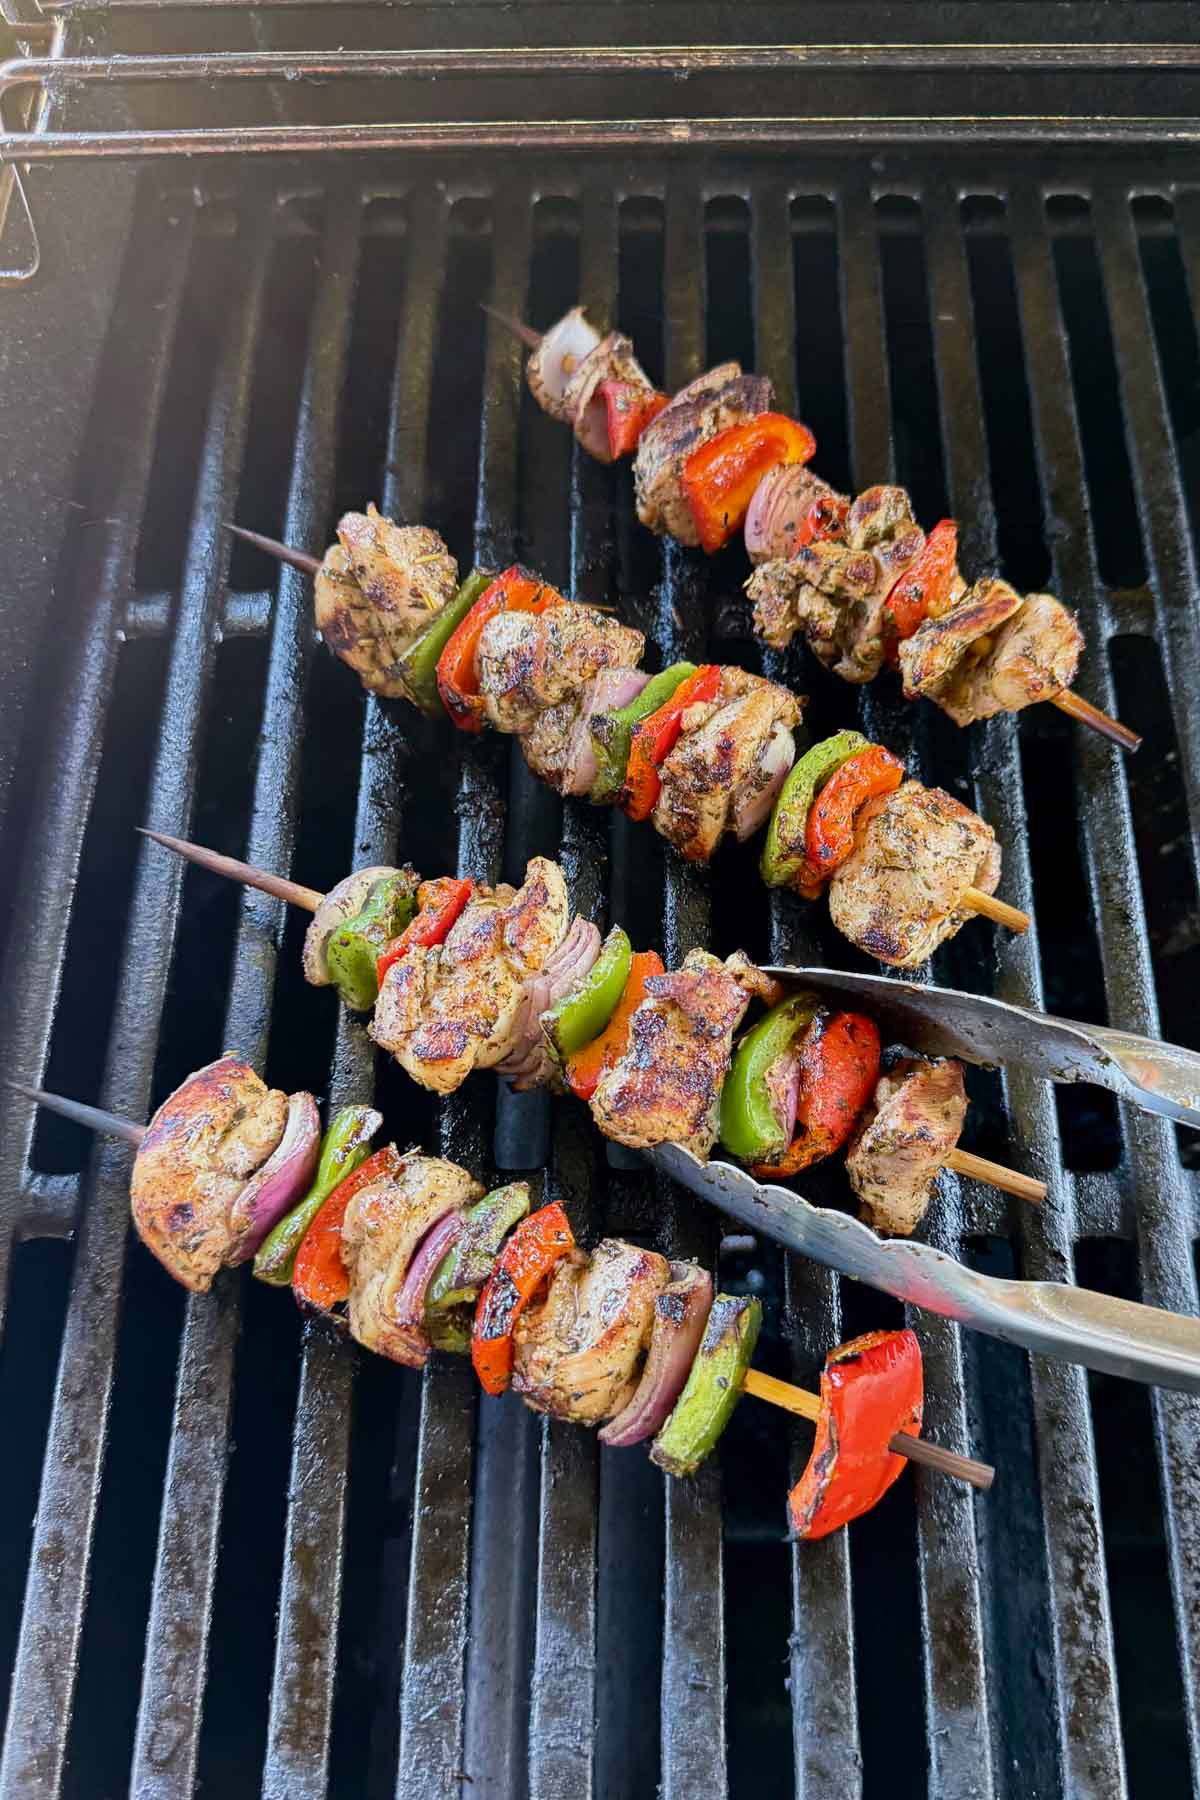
[528,336]
[299,559]
[109,1124]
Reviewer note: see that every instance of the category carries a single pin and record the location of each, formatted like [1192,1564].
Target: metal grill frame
[456,1607]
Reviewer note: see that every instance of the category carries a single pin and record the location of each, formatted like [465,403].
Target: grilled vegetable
[838,1069]
[657,736]
[353,950]
[417,664]
[871,1388]
[586,1067]
[612,733]
[272,1190]
[440,903]
[517,590]
[579,1017]
[784,852]
[345,1145]
[713,1387]
[680,1314]
[318,1273]
[720,477]
[829,837]
[923,590]
[538,1243]
[459,1277]
[630,409]
[340,904]
[758,1100]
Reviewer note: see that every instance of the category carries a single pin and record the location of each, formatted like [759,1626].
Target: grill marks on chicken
[667,1086]
[716,400]
[383,1225]
[579,1353]
[447,1010]
[728,754]
[903,1139]
[935,653]
[916,851]
[377,587]
[200,1149]
[1032,657]
[528,662]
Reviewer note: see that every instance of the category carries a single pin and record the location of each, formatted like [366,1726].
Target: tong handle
[1166,1075]
[1122,1337]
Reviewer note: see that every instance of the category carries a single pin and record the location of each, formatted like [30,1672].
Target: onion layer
[562,349]
[340,903]
[758,793]
[777,511]
[611,689]
[283,1180]
[529,1062]
[442,1236]
[680,1314]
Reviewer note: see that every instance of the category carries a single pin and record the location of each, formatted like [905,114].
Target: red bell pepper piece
[719,478]
[839,1067]
[829,834]
[537,1244]
[923,590]
[631,407]
[825,518]
[440,903]
[517,590]
[319,1275]
[871,1388]
[658,735]
[588,1066]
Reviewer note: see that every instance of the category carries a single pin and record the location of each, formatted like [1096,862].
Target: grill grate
[492,1594]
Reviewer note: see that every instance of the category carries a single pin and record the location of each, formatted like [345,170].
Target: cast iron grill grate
[261,1562]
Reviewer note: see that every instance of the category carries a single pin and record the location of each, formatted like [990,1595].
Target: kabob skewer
[342,1221]
[600,375]
[907,1121]
[699,752]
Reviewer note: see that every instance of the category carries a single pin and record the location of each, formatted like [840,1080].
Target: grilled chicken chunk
[1034,656]
[939,648]
[902,1141]
[579,1354]
[200,1149]
[667,1086]
[446,1010]
[916,851]
[384,1223]
[546,748]
[712,403]
[528,662]
[723,765]
[786,602]
[376,588]
[613,359]
[877,515]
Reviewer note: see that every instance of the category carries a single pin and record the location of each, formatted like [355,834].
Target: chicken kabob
[858,578]
[462,976]
[410,1254]
[701,752]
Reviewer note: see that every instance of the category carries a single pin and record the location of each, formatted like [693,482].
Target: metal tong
[1121,1337]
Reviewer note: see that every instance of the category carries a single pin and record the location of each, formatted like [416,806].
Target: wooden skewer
[763,1387]
[1009,1181]
[1000,910]
[528,336]
[299,559]
[917,1449]
[275,885]
[1078,708]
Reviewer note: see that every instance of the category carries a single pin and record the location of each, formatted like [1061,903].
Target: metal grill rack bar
[489,1645]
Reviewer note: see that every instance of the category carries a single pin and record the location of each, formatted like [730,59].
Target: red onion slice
[611,689]
[782,1081]
[680,1315]
[528,1062]
[441,1236]
[562,349]
[777,511]
[284,1178]
[758,793]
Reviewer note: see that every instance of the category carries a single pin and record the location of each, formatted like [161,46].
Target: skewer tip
[110,1124]
[528,336]
[299,559]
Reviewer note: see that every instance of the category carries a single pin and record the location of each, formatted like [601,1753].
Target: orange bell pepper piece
[923,590]
[517,590]
[531,1253]
[871,1388]
[658,735]
[319,1275]
[586,1068]
[631,407]
[440,903]
[829,834]
[719,478]
[839,1067]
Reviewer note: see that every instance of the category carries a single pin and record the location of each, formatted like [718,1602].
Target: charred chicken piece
[383,1225]
[200,1149]
[528,662]
[728,765]
[916,851]
[613,359]
[376,589]
[667,1086]
[902,1141]
[578,1355]
[877,515]
[713,402]
[446,1010]
[1034,656]
[935,653]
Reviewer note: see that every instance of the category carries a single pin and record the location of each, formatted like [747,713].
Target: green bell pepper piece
[451,1331]
[713,1386]
[582,1014]
[467,1265]
[353,949]
[612,733]
[783,853]
[345,1145]
[750,1127]
[417,664]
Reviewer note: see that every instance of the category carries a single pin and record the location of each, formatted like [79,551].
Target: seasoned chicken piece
[902,1141]
[200,1149]
[445,1010]
[938,646]
[528,662]
[916,851]
[579,1354]
[1034,657]
[786,602]
[376,589]
[546,747]
[716,777]
[876,514]
[613,359]
[384,1223]
[712,403]
[667,1086]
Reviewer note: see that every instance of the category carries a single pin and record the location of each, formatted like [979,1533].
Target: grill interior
[241,1555]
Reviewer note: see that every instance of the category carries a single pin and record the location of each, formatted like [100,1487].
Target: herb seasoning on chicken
[376,589]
